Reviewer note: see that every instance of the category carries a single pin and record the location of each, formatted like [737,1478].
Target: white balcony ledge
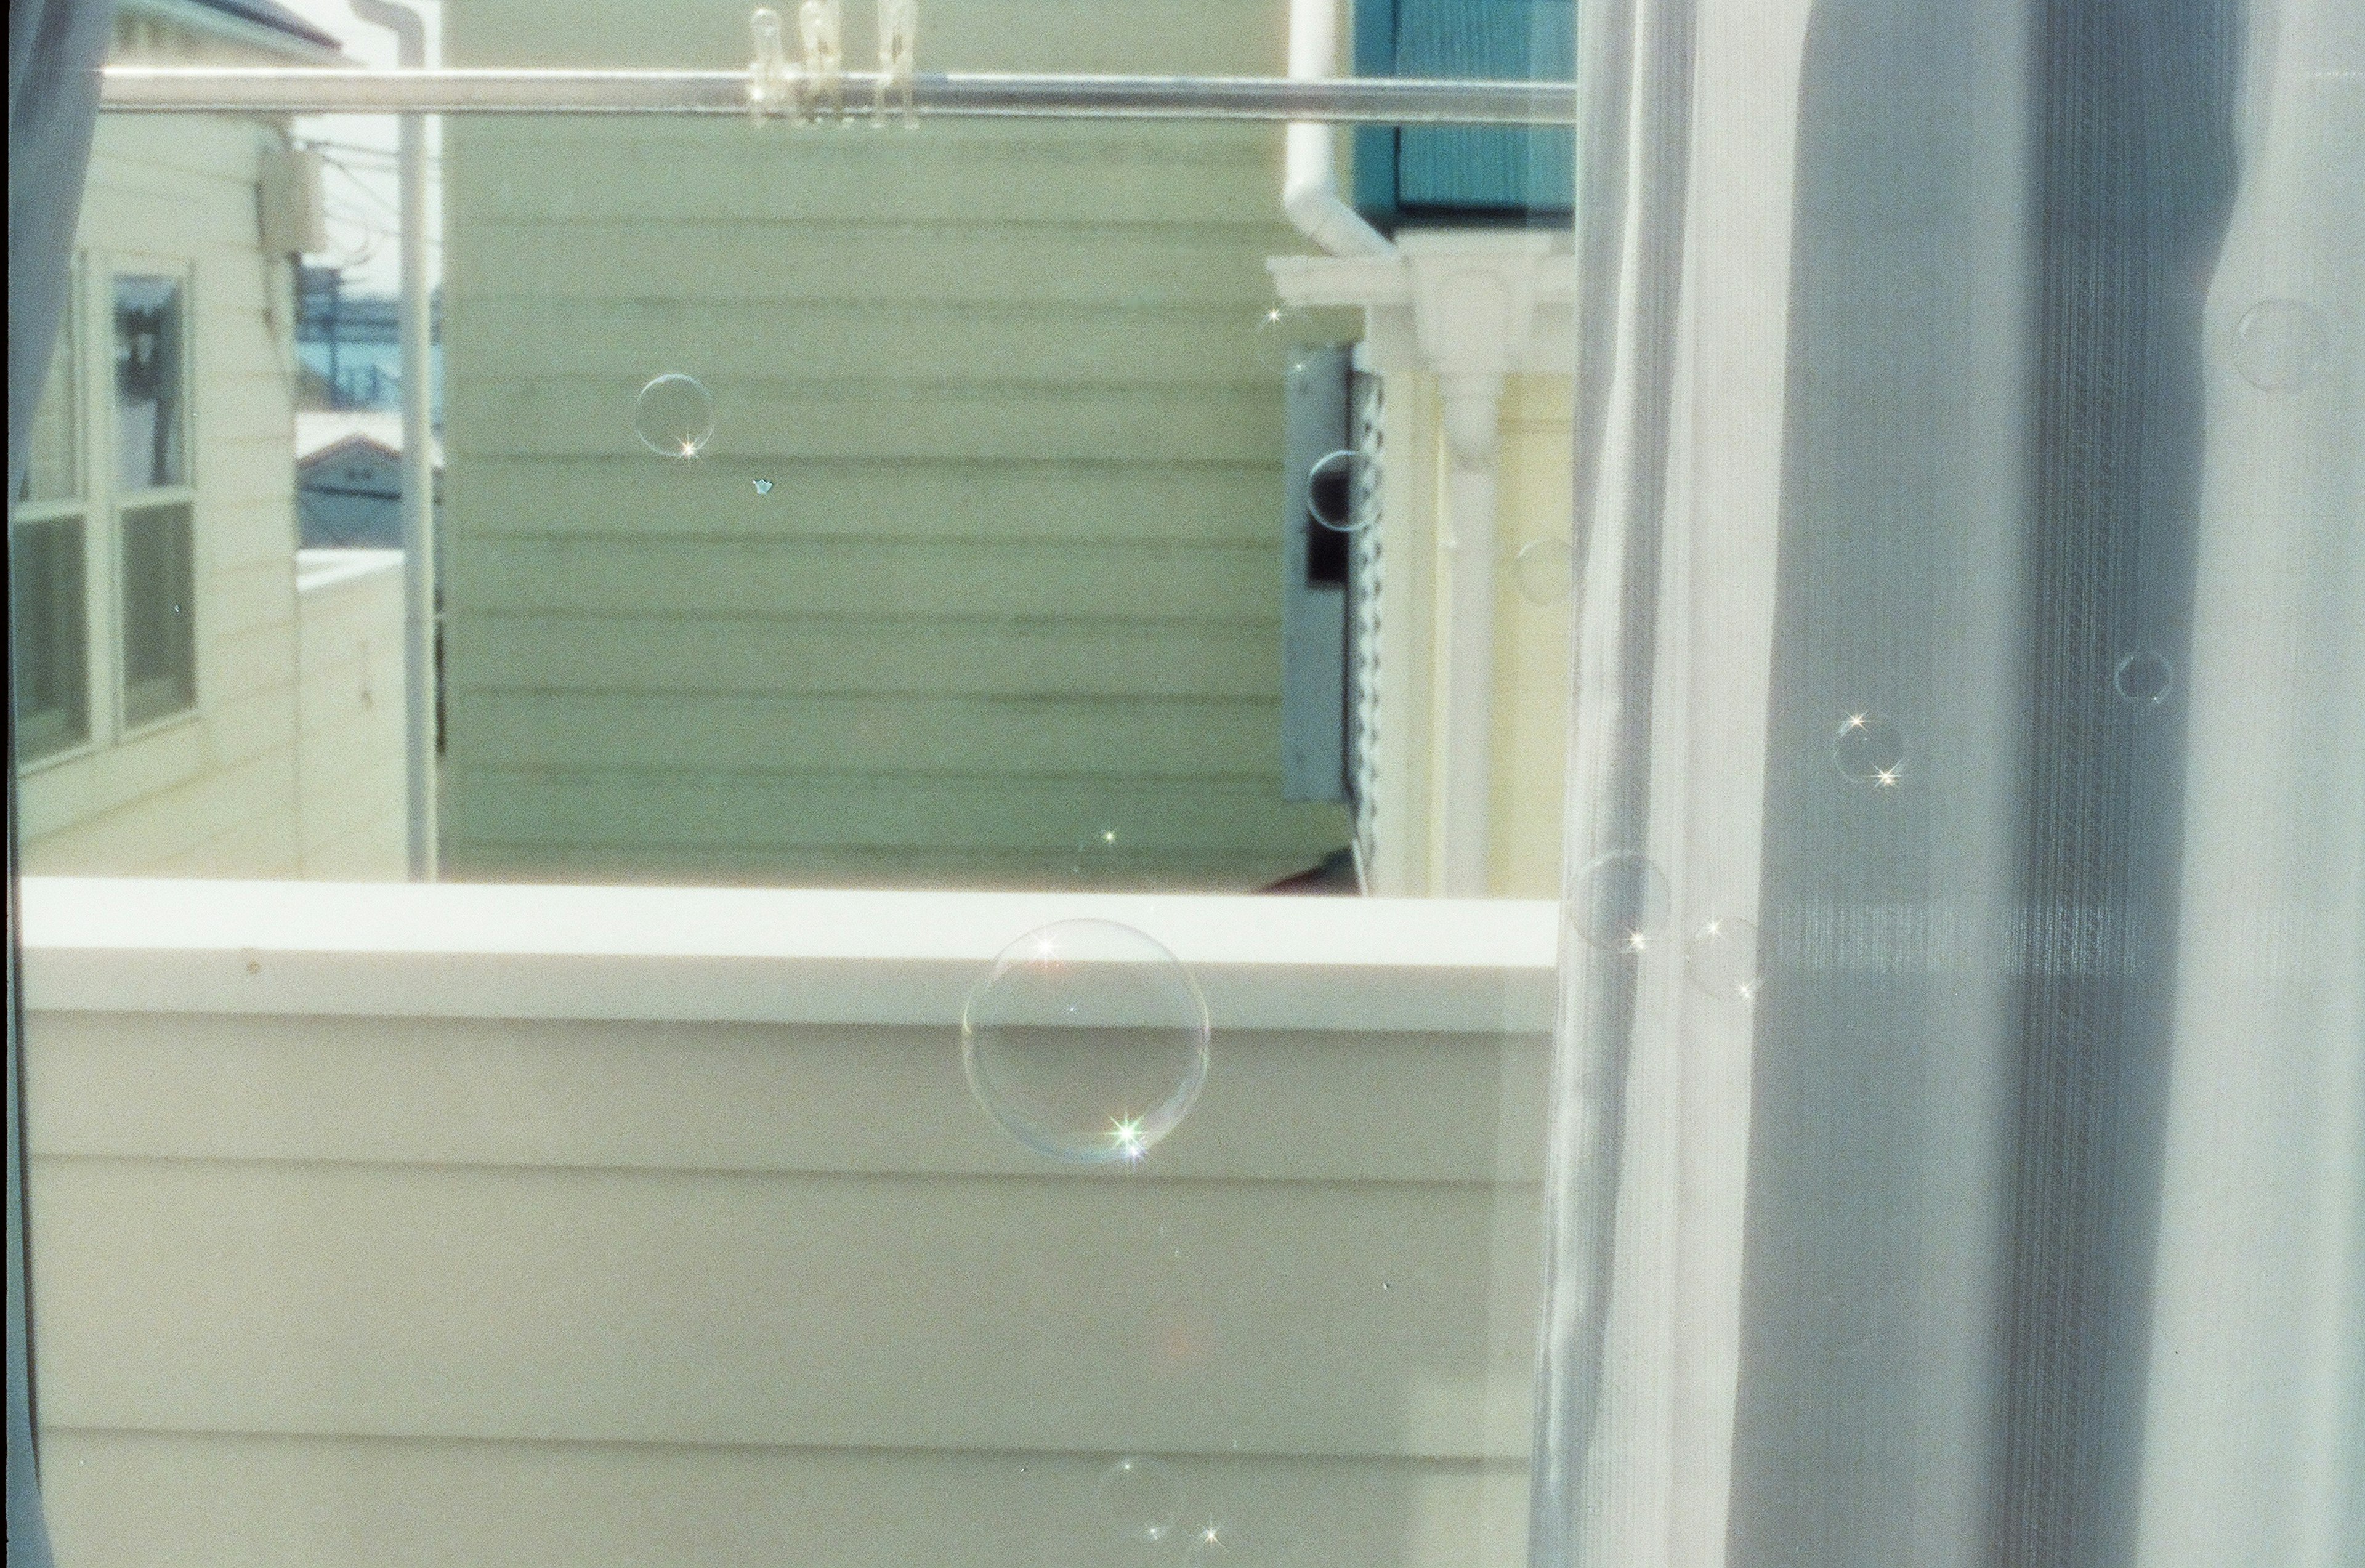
[454,950]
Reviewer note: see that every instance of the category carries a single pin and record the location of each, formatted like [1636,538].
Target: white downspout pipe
[1472,409]
[417,456]
[1309,185]
[1474,298]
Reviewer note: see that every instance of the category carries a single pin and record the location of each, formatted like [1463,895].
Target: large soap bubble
[1087,1041]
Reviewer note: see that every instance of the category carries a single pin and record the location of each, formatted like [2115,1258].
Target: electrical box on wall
[1314,577]
[293,212]
[1462,176]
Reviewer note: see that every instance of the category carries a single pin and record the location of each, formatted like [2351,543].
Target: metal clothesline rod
[1354,100]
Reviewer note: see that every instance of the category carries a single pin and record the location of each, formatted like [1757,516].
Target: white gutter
[1309,185]
[418,457]
[206,21]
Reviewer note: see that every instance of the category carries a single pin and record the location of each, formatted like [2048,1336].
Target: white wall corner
[1469,307]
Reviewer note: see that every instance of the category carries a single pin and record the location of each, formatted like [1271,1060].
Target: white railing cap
[467,950]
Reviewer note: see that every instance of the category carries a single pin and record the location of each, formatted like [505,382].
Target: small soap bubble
[674,416]
[2143,680]
[1545,570]
[1871,751]
[2278,345]
[1099,857]
[1721,959]
[1618,902]
[1141,1498]
[763,487]
[1333,486]
[1285,338]
[1087,1041]
[1210,1542]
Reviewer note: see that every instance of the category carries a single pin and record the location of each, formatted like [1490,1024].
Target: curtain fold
[2254,1450]
[1633,90]
[55,49]
[1974,600]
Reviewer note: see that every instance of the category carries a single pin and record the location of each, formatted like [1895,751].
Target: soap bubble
[1545,570]
[1099,857]
[1720,960]
[2278,345]
[674,416]
[1618,902]
[1212,1542]
[1332,486]
[1286,338]
[1087,1041]
[1869,750]
[2143,680]
[1141,1498]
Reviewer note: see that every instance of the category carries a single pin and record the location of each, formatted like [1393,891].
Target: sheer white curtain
[1990,375]
[2255,1442]
[1684,202]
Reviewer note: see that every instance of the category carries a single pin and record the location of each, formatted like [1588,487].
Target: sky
[360,184]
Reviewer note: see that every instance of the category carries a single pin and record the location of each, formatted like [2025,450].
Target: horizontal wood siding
[1013,578]
[376,1291]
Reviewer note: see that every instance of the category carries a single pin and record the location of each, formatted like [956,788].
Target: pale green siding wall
[1018,580]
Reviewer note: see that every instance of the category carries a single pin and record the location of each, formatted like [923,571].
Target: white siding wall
[349,731]
[1533,658]
[291,762]
[214,792]
[348,1250]
[1018,580]
[1533,655]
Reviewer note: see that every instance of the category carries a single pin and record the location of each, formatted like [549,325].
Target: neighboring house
[349,479]
[172,696]
[985,560]
[1015,585]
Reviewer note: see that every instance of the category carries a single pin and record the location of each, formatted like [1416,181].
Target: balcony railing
[658,1214]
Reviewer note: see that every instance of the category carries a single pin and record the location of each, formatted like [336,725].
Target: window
[148,449]
[157,581]
[159,663]
[45,602]
[49,573]
[113,611]
[900,553]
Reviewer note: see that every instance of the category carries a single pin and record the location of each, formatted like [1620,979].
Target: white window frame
[88,331]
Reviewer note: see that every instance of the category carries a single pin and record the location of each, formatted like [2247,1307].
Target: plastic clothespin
[820,25]
[898,41]
[771,84]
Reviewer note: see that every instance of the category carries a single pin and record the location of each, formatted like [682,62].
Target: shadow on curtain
[1969,435]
